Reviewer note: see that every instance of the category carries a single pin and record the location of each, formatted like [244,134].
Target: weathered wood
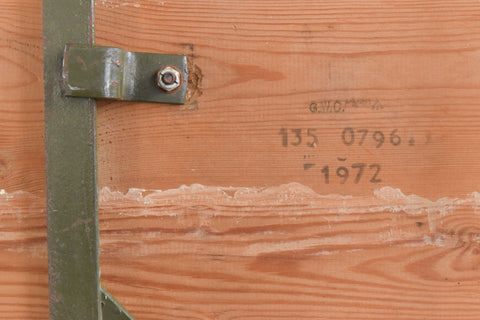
[287,252]
[282,252]
[23,257]
[280,243]
[22,165]
[409,66]
[23,247]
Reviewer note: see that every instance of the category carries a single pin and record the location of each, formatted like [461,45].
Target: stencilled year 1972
[343,172]
[354,172]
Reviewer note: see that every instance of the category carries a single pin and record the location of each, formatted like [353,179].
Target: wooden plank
[23,257]
[21,97]
[286,252]
[23,247]
[401,70]
[282,252]
[280,243]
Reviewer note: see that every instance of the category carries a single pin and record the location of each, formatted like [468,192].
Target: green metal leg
[72,209]
[111,309]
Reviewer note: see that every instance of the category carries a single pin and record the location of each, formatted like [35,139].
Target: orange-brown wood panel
[285,98]
[21,97]
[23,248]
[398,80]
[288,253]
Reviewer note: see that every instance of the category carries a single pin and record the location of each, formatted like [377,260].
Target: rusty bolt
[168,78]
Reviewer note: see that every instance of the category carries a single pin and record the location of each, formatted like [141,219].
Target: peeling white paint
[384,199]
[115,4]
[10,195]
[203,209]
[296,201]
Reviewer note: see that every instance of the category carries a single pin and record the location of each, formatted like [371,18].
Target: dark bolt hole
[168,78]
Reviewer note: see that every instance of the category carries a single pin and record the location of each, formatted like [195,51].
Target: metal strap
[72,209]
[107,72]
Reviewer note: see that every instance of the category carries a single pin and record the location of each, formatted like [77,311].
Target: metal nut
[168,78]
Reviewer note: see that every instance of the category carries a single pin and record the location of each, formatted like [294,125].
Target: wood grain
[23,257]
[282,252]
[255,234]
[258,66]
[21,97]
[287,252]
[262,63]
[23,248]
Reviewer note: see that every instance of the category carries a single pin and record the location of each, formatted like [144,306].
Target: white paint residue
[202,212]
[476,197]
[16,194]
[136,5]
[114,4]
[296,201]
[384,199]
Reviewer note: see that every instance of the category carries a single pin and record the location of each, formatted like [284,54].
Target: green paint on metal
[72,220]
[112,310]
[70,143]
[106,72]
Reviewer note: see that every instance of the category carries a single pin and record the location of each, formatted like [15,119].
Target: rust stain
[80,60]
[5,168]
[195,77]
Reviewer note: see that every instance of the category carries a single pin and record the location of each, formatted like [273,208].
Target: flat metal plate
[106,72]
[72,206]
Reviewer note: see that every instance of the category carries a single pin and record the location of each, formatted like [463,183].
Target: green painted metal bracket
[106,72]
[111,309]
[72,220]
[70,146]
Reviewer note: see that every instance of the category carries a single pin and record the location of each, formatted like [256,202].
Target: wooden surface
[255,232]
[261,65]
[289,253]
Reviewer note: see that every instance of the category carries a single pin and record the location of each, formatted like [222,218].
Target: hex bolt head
[168,79]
